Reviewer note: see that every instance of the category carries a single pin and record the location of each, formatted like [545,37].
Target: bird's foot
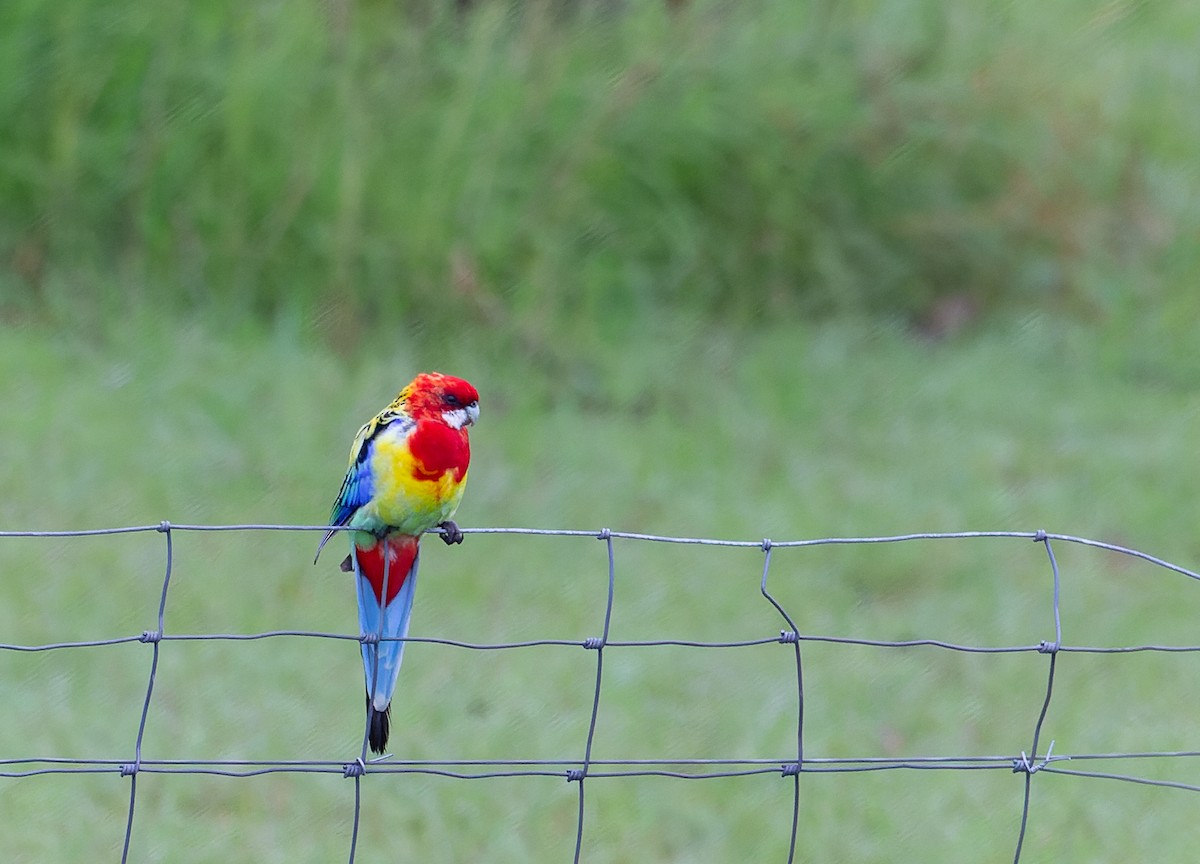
[347,565]
[450,532]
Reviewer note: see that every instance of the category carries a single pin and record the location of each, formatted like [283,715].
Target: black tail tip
[378,723]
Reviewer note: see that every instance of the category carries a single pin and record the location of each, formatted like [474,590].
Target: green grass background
[695,263]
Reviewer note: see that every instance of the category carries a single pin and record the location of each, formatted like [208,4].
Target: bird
[407,473]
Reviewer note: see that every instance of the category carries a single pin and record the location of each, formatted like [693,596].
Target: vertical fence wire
[154,638]
[579,775]
[578,772]
[1028,764]
[790,635]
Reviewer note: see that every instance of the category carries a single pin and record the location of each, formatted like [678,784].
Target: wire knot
[576,775]
[605,534]
[164,527]
[129,769]
[1045,647]
[151,636]
[593,643]
[1040,536]
[789,637]
[790,769]
[357,768]
[1026,765]
[766,544]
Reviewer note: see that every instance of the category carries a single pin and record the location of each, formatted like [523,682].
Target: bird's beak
[472,413]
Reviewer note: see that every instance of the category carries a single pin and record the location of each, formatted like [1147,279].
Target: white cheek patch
[457,418]
[461,417]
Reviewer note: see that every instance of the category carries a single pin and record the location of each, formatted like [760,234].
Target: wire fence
[789,766]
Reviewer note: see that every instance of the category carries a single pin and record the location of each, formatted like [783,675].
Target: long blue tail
[381,662]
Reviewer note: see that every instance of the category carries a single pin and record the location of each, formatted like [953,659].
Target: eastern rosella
[408,469]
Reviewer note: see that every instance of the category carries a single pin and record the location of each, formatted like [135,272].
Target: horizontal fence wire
[788,766]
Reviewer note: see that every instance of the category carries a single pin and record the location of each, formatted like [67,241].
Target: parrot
[407,472]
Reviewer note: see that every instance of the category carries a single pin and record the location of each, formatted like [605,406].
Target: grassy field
[789,432]
[766,269]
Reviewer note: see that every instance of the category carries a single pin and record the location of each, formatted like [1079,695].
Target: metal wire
[788,766]
[578,775]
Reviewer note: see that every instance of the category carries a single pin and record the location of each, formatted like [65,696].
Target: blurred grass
[784,432]
[554,176]
[685,256]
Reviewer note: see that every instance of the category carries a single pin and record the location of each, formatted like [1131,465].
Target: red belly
[401,552]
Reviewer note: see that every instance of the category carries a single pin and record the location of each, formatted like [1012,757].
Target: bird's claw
[450,533]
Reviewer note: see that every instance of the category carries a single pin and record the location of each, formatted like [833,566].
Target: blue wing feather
[357,490]
[357,485]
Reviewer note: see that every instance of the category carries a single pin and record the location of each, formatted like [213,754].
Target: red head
[432,395]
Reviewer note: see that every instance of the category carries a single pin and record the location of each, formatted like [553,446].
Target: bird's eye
[451,399]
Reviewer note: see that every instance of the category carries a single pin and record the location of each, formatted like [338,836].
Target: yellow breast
[403,499]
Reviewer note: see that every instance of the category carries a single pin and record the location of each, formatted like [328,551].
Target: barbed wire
[788,766]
